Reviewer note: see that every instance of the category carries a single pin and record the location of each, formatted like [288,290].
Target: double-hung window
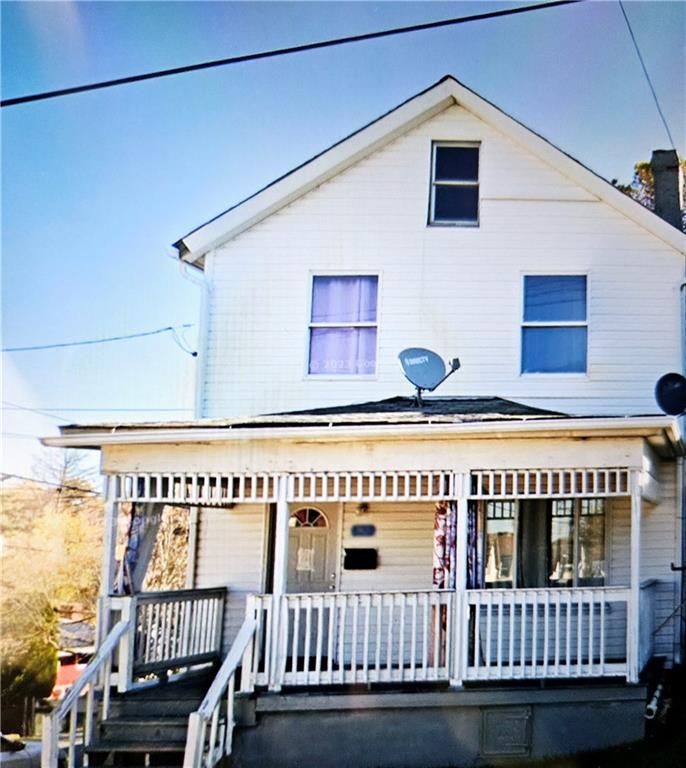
[343,325]
[454,184]
[555,324]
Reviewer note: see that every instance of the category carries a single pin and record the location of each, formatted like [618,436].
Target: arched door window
[308,517]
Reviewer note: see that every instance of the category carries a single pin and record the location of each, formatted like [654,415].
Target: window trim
[307,376]
[554,323]
[431,222]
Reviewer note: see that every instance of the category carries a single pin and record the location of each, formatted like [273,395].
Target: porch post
[280,579]
[633,635]
[459,630]
[107,569]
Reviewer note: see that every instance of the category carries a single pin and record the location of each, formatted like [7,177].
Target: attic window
[454,184]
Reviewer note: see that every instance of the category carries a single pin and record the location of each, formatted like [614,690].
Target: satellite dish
[670,393]
[425,369]
[422,367]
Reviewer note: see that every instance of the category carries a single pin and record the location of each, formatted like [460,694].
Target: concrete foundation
[436,729]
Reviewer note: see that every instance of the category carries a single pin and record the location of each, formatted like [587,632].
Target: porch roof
[391,418]
[392,410]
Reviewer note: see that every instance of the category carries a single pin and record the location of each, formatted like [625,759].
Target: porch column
[460,631]
[108,566]
[280,580]
[633,635]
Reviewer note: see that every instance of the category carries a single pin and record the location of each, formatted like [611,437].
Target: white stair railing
[203,749]
[98,674]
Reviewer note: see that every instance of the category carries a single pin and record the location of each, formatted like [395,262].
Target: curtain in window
[344,299]
[343,350]
[445,539]
[474,554]
[346,349]
[140,543]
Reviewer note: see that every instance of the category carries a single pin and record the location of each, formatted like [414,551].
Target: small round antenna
[425,369]
[670,393]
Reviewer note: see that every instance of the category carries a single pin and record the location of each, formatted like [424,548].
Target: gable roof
[447,92]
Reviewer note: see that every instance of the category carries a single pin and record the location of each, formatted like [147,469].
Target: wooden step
[144,730]
[138,747]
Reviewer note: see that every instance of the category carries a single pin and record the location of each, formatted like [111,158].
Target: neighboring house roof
[193,246]
[76,635]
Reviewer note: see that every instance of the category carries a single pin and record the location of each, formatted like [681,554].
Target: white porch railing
[205,749]
[352,637]
[545,633]
[394,637]
[153,632]
[169,630]
[96,676]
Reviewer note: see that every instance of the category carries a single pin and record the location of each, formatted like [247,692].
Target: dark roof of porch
[458,408]
[392,410]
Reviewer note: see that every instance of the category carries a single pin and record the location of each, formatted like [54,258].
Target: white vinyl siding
[453,289]
[230,554]
[404,540]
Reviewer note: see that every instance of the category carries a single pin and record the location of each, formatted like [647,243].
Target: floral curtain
[140,542]
[445,535]
[474,549]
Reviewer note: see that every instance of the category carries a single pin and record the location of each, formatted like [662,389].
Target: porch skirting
[434,729]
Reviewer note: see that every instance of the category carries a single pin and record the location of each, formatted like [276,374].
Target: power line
[278,52]
[167,329]
[6,404]
[46,411]
[61,486]
[645,72]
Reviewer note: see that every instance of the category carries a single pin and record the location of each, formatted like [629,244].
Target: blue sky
[97,186]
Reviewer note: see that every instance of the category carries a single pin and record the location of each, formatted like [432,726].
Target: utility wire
[46,411]
[645,72]
[6,404]
[61,486]
[168,329]
[278,52]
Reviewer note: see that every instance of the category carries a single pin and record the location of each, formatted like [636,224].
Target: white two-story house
[485,574]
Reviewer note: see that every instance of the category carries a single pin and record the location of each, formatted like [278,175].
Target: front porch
[444,637]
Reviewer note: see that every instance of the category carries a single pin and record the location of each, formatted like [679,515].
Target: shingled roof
[450,409]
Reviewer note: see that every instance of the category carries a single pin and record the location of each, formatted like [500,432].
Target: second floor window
[454,184]
[555,325]
[343,324]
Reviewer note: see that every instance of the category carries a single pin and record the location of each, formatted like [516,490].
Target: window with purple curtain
[343,325]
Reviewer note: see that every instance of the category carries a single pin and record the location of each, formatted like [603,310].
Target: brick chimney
[665,167]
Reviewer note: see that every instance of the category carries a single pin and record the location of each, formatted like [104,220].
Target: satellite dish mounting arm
[454,366]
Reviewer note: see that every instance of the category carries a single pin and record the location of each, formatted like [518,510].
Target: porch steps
[148,726]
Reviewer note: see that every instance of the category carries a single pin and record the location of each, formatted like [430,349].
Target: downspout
[199,277]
